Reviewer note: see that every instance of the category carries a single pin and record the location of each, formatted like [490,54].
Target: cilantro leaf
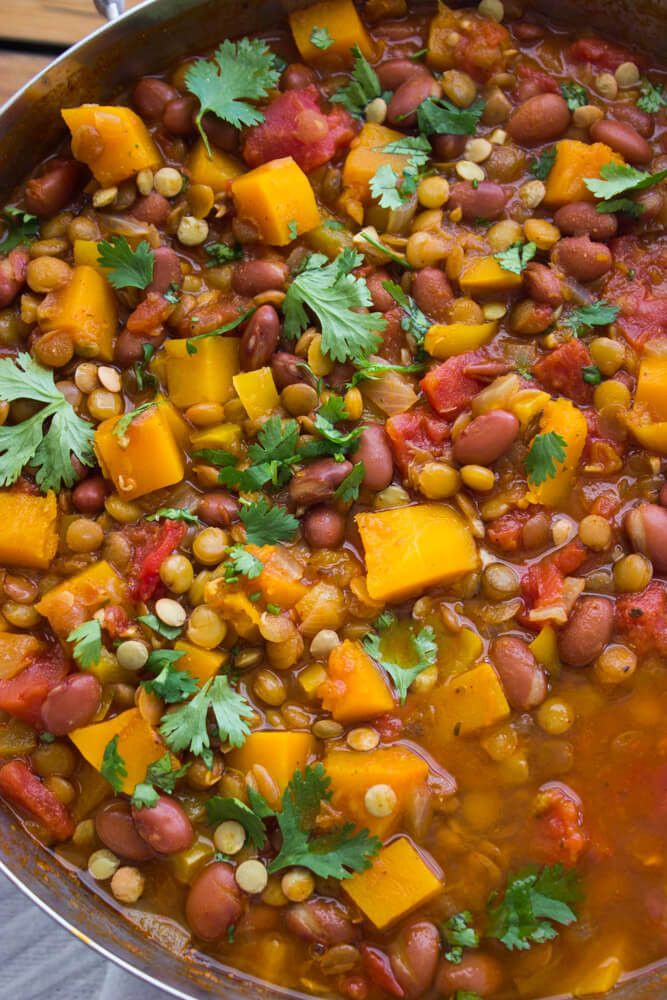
[414,322]
[238,72]
[332,292]
[435,116]
[574,94]
[383,187]
[332,441]
[384,620]
[651,97]
[334,224]
[627,205]
[242,563]
[545,451]
[320,38]
[160,774]
[372,371]
[349,488]
[128,268]
[153,622]
[591,374]
[272,456]
[363,88]
[365,234]
[87,639]
[22,227]
[459,935]
[121,427]
[186,727]
[425,649]
[221,253]
[174,514]
[171,295]
[516,256]
[219,809]
[416,147]
[26,443]
[140,372]
[617,178]
[170,683]
[266,525]
[113,766]
[531,905]
[596,314]
[540,166]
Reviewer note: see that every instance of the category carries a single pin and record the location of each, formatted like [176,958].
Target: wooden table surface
[32,32]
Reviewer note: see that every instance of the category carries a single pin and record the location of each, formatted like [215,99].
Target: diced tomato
[603,54]
[559,834]
[149,316]
[605,505]
[149,554]
[505,531]
[542,585]
[602,454]
[419,431]
[115,620]
[23,789]
[23,695]
[570,557]
[638,286]
[25,485]
[378,967]
[642,619]
[543,81]
[448,388]
[481,52]
[560,371]
[294,125]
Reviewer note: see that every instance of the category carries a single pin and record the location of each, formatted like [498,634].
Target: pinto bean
[252,277]
[640,120]
[287,369]
[395,72]
[382,300]
[214,902]
[152,208]
[414,957]
[477,972]
[523,678]
[448,147]
[177,115]
[579,218]
[324,527]
[318,482]
[486,438]
[13,271]
[71,704]
[151,96]
[89,496]
[402,108]
[320,922]
[486,201]
[623,138]
[542,118]
[646,527]
[164,826]
[375,452]
[260,339]
[48,194]
[115,828]
[587,632]
[218,508]
[581,258]
[296,76]
[166,270]
[542,284]
[433,294]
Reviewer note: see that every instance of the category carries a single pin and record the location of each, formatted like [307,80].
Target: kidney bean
[448,147]
[178,113]
[252,277]
[71,704]
[260,339]
[166,270]
[115,828]
[318,481]
[324,527]
[214,902]
[477,972]
[49,193]
[414,957]
[151,96]
[486,201]
[433,294]
[297,76]
[12,275]
[152,208]
[394,72]
[164,826]
[587,631]
[287,369]
[646,527]
[321,922]
[486,438]
[542,118]
[579,218]
[89,496]
[218,508]
[402,108]
[640,120]
[375,452]
[382,300]
[129,346]
[528,32]
[581,258]
[221,134]
[523,678]
[622,137]
[651,203]
[542,284]
[526,89]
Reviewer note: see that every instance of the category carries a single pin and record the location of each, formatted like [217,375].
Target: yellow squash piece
[126,146]
[86,252]
[203,377]
[367,155]
[467,703]
[484,278]
[145,458]
[398,881]
[203,664]
[257,391]
[85,310]
[444,340]
[409,549]
[344,26]
[278,200]
[16,652]
[76,600]
[139,744]
[528,404]
[186,865]
[355,689]
[458,650]
[280,753]
[28,530]
[227,437]
[563,417]
[648,418]
[545,650]
[216,170]
[575,161]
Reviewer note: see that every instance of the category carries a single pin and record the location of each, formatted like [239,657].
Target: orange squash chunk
[145,458]
[355,688]
[574,162]
[280,580]
[467,703]
[75,600]
[201,663]
[84,310]
[344,25]
[16,652]
[398,881]
[367,155]
[28,530]
[139,744]
[127,145]
[281,753]
[274,196]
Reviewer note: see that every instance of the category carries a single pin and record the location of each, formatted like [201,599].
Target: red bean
[128,348]
[321,922]
[414,957]
[166,270]
[260,339]
[448,147]
[382,300]
[71,704]
[486,201]
[486,438]
[164,826]
[581,258]
[115,828]
[542,284]
[287,369]
[542,118]
[523,678]
[218,508]
[150,97]
[221,134]
[214,902]
[646,526]
[528,32]
[477,972]
[152,208]
[640,120]
[663,495]
[12,275]
[650,203]
[579,218]
[623,138]
[89,496]
[317,482]
[177,115]
[51,192]
[324,527]
[402,108]
[394,72]
[587,631]
[433,294]
[252,277]
[297,76]
[375,452]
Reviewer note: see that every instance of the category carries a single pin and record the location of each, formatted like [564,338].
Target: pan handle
[111,9]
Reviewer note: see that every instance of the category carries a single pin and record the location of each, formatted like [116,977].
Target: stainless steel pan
[146,40]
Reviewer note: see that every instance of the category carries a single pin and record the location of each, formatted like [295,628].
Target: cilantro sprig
[545,450]
[191,342]
[186,728]
[22,227]
[219,809]
[532,903]
[113,766]
[540,166]
[271,458]
[438,115]
[516,257]
[596,314]
[574,94]
[414,321]
[128,268]
[652,97]
[349,488]
[240,562]
[321,39]
[425,650]
[459,935]
[362,89]
[169,683]
[619,178]
[153,622]
[266,524]
[87,639]
[222,253]
[332,440]
[174,514]
[159,775]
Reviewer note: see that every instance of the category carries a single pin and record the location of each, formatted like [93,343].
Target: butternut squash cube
[367,155]
[648,418]
[75,600]
[352,773]
[201,663]
[257,391]
[145,458]
[483,277]
[356,689]
[16,652]
[545,650]
[444,340]
[216,170]
[85,310]
[409,549]
[180,428]
[276,197]
[281,753]
[139,744]
[527,404]
[204,377]
[398,881]
[128,147]
[575,161]
[280,580]
[458,650]
[562,416]
[466,703]
[344,25]
[28,530]
[227,437]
